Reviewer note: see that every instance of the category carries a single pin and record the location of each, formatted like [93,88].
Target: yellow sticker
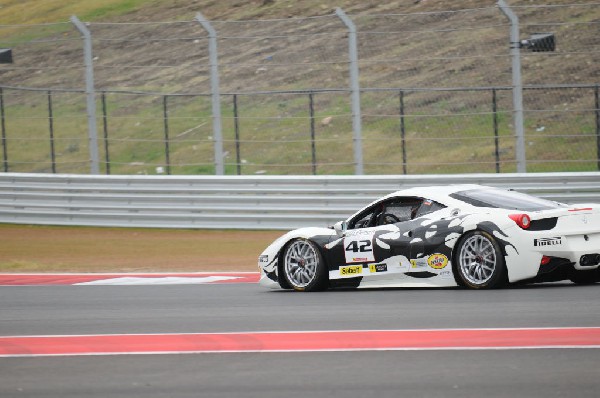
[437,261]
[351,270]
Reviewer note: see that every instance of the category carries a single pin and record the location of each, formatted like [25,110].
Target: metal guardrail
[235,202]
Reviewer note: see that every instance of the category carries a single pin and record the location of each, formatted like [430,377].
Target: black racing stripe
[421,275]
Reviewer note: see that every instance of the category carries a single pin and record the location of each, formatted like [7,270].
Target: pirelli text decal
[547,241]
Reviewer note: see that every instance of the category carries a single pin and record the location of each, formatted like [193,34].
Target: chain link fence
[435,94]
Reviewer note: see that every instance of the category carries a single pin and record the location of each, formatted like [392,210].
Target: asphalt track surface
[172,309]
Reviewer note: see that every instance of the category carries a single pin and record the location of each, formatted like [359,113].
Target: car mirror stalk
[340,228]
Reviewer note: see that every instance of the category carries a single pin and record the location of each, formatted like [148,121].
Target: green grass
[275,134]
[51,11]
[113,9]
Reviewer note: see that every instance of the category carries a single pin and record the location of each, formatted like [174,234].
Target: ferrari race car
[462,235]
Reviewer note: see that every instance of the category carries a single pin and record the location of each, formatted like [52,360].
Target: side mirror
[340,228]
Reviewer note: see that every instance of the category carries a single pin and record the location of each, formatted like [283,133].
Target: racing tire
[303,267]
[479,262]
[585,277]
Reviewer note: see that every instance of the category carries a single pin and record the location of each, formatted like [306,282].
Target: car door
[399,213]
[356,248]
[375,234]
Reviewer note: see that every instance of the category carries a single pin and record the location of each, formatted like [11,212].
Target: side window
[428,206]
[366,219]
[394,211]
[399,212]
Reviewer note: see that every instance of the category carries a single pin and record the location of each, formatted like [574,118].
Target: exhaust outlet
[589,260]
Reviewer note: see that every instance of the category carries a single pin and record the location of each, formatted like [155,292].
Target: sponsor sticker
[263,259]
[360,232]
[547,241]
[377,268]
[445,274]
[437,261]
[418,263]
[358,248]
[351,270]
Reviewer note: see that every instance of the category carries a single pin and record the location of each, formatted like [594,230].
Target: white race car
[463,235]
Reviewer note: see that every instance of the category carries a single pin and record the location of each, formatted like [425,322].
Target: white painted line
[168,280]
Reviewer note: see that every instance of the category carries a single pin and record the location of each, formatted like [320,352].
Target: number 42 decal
[361,246]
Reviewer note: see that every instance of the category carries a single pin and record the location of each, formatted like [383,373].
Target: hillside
[155,46]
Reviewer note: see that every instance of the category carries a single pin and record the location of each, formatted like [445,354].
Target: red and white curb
[297,341]
[128,278]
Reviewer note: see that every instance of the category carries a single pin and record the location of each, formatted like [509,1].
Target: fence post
[495,118]
[517,85]
[166,129]
[236,127]
[311,110]
[216,97]
[51,128]
[403,132]
[2,122]
[90,94]
[105,131]
[597,92]
[355,90]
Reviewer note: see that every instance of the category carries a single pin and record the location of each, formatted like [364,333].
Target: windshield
[498,198]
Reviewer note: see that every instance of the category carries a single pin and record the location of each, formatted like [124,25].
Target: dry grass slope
[66,249]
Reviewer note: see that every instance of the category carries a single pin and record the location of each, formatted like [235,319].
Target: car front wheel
[303,266]
[479,262]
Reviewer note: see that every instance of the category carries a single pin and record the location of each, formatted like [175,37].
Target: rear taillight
[545,260]
[522,220]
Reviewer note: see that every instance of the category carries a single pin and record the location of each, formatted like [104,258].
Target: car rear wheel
[479,262]
[303,266]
